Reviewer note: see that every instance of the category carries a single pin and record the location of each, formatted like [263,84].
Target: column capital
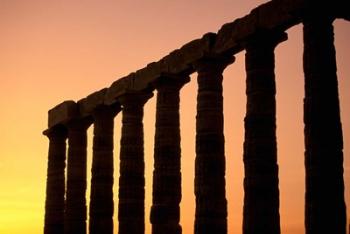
[102,111]
[56,131]
[134,99]
[169,82]
[265,38]
[213,63]
[79,124]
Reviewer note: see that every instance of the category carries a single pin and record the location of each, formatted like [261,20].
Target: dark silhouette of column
[261,193]
[211,204]
[131,214]
[165,211]
[101,196]
[324,199]
[75,209]
[55,184]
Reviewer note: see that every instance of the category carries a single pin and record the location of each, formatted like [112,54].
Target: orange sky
[51,51]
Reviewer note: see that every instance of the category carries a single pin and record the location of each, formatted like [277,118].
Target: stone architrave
[211,204]
[101,196]
[165,211]
[261,193]
[131,214]
[55,184]
[75,207]
[324,198]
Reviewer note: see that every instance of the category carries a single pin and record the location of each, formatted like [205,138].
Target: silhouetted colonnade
[258,34]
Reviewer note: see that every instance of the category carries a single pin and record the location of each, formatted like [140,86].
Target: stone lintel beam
[88,105]
[333,9]
[62,113]
[273,15]
[181,60]
[118,88]
[178,62]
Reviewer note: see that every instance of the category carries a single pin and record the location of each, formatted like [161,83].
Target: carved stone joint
[213,63]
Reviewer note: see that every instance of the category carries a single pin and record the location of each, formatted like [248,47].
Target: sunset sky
[56,50]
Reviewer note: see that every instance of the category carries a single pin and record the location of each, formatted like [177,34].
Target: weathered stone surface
[325,188]
[101,196]
[165,210]
[211,205]
[196,49]
[131,214]
[229,36]
[90,103]
[276,16]
[324,199]
[62,113]
[333,9]
[261,193]
[145,76]
[273,15]
[55,184]
[118,88]
[75,206]
[174,63]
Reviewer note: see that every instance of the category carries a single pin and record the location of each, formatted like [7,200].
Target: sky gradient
[51,51]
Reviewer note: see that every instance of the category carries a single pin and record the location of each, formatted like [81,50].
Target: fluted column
[101,196]
[165,211]
[261,193]
[75,209]
[131,212]
[324,199]
[211,204]
[55,183]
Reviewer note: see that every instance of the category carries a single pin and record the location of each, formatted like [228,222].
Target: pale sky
[52,50]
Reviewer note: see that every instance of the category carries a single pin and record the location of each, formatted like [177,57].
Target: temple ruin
[258,33]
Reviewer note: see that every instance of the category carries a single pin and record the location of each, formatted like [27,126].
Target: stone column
[324,199]
[211,204]
[75,209]
[131,212]
[55,183]
[101,196]
[261,193]
[165,211]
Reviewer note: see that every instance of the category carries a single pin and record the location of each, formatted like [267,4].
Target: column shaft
[55,184]
[101,196]
[261,193]
[131,212]
[165,211]
[324,199]
[75,209]
[211,204]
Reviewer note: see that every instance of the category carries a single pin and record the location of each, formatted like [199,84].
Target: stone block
[118,88]
[146,76]
[62,113]
[230,35]
[197,49]
[343,9]
[180,61]
[174,63]
[275,15]
[88,104]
